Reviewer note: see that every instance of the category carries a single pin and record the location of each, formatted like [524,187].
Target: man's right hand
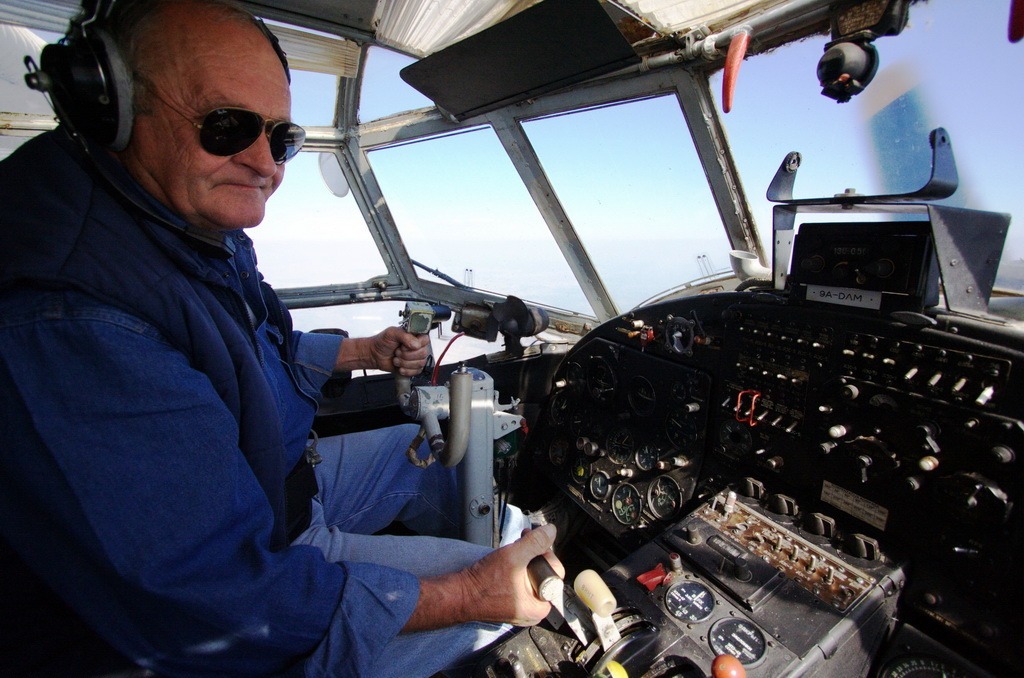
[496,588]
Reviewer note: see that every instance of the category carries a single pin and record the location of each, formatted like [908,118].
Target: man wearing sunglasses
[157,405]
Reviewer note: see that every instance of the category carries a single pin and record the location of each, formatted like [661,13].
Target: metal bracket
[942,183]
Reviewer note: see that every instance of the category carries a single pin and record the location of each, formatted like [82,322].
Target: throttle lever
[586,606]
[552,588]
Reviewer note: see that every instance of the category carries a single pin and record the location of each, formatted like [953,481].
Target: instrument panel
[858,438]
[624,434]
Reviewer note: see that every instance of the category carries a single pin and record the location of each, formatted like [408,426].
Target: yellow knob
[594,592]
[614,670]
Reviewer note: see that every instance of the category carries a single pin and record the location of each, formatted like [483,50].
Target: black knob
[782,504]
[741,570]
[753,489]
[821,525]
[1003,454]
[862,546]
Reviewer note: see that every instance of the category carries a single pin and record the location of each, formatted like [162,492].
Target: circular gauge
[580,470]
[920,666]
[642,397]
[560,408]
[680,429]
[626,504]
[574,375]
[619,446]
[738,637]
[664,497]
[690,601]
[735,437]
[601,379]
[558,451]
[646,457]
[600,484]
[579,423]
[680,390]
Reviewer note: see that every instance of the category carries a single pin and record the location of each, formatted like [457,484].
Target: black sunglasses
[227,131]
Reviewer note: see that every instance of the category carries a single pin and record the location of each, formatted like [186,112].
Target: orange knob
[727,666]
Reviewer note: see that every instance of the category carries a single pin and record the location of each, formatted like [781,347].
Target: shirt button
[245,275]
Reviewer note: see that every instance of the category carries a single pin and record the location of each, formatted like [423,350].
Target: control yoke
[476,420]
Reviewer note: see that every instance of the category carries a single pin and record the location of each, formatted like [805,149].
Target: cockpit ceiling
[678,17]
[421,27]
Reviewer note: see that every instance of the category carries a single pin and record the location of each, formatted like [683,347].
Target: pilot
[158,507]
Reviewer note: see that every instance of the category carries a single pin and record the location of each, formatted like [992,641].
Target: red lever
[733,59]
[652,578]
[738,413]
[1016,20]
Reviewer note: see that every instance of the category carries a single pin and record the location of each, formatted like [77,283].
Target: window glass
[359,320]
[878,142]
[616,181]
[384,92]
[313,98]
[311,237]
[462,209]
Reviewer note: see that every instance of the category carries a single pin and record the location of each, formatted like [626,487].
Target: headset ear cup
[91,87]
[120,90]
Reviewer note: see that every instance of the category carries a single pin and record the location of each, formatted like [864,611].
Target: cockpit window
[462,209]
[631,169]
[313,97]
[386,93]
[878,142]
[311,237]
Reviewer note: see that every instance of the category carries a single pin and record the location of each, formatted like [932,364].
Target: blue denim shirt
[122,485]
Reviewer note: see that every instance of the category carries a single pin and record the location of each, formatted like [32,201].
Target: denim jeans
[366,482]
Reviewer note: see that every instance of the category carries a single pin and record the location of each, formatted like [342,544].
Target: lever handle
[594,593]
[543,577]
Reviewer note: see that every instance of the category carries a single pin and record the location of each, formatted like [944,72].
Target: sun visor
[550,45]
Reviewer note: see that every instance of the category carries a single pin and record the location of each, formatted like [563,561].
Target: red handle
[733,59]
[1016,20]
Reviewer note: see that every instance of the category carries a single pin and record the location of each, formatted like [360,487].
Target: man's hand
[395,350]
[392,350]
[496,588]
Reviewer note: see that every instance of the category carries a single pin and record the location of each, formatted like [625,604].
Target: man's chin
[231,220]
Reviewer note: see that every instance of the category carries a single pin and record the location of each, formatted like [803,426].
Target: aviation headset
[88,80]
[90,85]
